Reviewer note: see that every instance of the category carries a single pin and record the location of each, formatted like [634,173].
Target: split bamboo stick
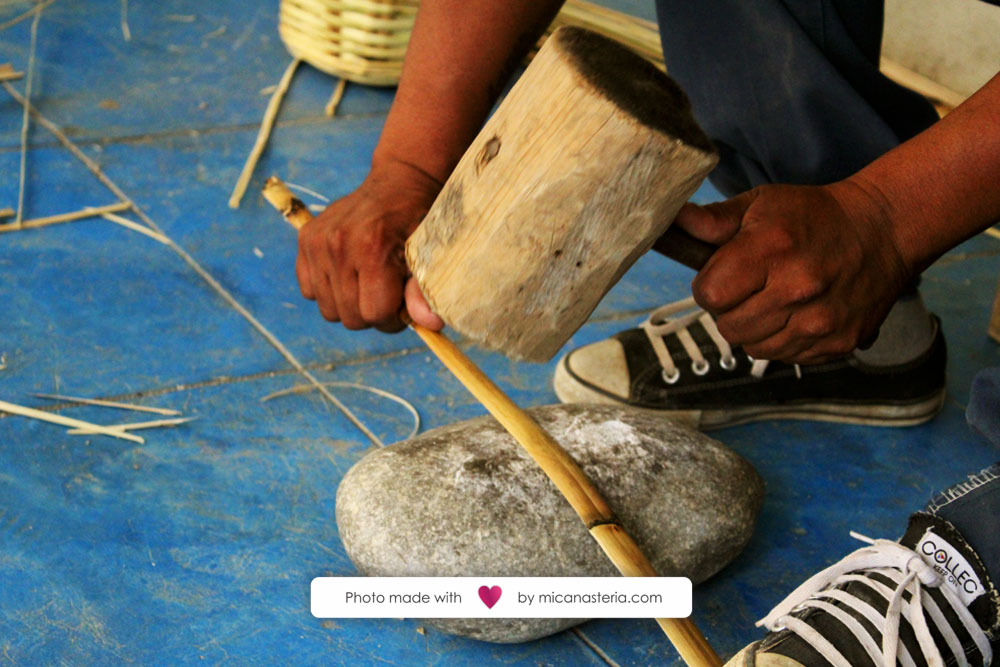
[64,217]
[568,477]
[6,212]
[52,418]
[266,125]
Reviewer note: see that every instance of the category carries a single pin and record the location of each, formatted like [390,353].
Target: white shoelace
[675,318]
[910,573]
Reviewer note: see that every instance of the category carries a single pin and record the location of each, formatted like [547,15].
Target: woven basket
[359,40]
[365,40]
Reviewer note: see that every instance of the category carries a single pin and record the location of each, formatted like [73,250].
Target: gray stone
[466,500]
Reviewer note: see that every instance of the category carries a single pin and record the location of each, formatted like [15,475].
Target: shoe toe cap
[602,365]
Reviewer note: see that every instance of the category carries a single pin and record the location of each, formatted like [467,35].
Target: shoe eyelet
[728,362]
[671,379]
[699,367]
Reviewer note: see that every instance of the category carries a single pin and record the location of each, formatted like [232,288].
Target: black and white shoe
[924,601]
[678,363]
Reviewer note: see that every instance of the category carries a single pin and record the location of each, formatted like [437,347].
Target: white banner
[501,597]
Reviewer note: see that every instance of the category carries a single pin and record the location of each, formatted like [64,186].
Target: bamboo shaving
[135,426]
[305,388]
[126,32]
[26,15]
[338,94]
[7,73]
[88,212]
[31,413]
[223,293]
[135,226]
[266,124]
[110,404]
[26,117]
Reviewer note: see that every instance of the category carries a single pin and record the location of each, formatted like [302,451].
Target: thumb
[419,309]
[715,223]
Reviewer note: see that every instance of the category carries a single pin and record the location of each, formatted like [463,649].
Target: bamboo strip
[25,117]
[7,73]
[338,94]
[6,212]
[64,217]
[568,477]
[26,15]
[136,227]
[133,426]
[22,411]
[266,124]
[110,404]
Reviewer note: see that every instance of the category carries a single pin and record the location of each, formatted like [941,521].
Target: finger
[718,222]
[758,318]
[419,309]
[730,277]
[380,296]
[302,275]
[345,292]
[319,268]
[785,346]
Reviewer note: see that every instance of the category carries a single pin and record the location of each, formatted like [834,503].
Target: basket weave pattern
[360,40]
[365,40]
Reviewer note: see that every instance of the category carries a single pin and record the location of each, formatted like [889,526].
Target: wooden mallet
[580,170]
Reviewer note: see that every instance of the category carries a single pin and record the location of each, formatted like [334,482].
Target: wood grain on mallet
[559,466]
[582,167]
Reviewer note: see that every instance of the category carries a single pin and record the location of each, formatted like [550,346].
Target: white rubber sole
[570,390]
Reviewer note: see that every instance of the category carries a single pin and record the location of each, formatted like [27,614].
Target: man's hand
[804,273]
[351,260]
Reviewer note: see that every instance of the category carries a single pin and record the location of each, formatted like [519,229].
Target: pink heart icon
[489,596]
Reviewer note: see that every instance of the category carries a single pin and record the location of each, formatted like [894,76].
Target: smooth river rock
[466,500]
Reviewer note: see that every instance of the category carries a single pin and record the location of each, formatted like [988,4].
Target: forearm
[460,55]
[942,186]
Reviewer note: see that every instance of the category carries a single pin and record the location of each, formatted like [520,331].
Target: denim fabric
[789,90]
[973,506]
[983,412]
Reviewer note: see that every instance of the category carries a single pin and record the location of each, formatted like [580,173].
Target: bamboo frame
[22,411]
[568,477]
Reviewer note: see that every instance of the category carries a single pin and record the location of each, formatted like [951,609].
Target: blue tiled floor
[199,545]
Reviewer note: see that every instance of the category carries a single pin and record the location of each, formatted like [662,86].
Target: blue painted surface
[199,545]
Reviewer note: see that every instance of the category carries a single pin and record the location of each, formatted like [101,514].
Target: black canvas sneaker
[924,601]
[678,363]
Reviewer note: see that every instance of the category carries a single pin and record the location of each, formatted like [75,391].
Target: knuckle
[336,241]
[707,294]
